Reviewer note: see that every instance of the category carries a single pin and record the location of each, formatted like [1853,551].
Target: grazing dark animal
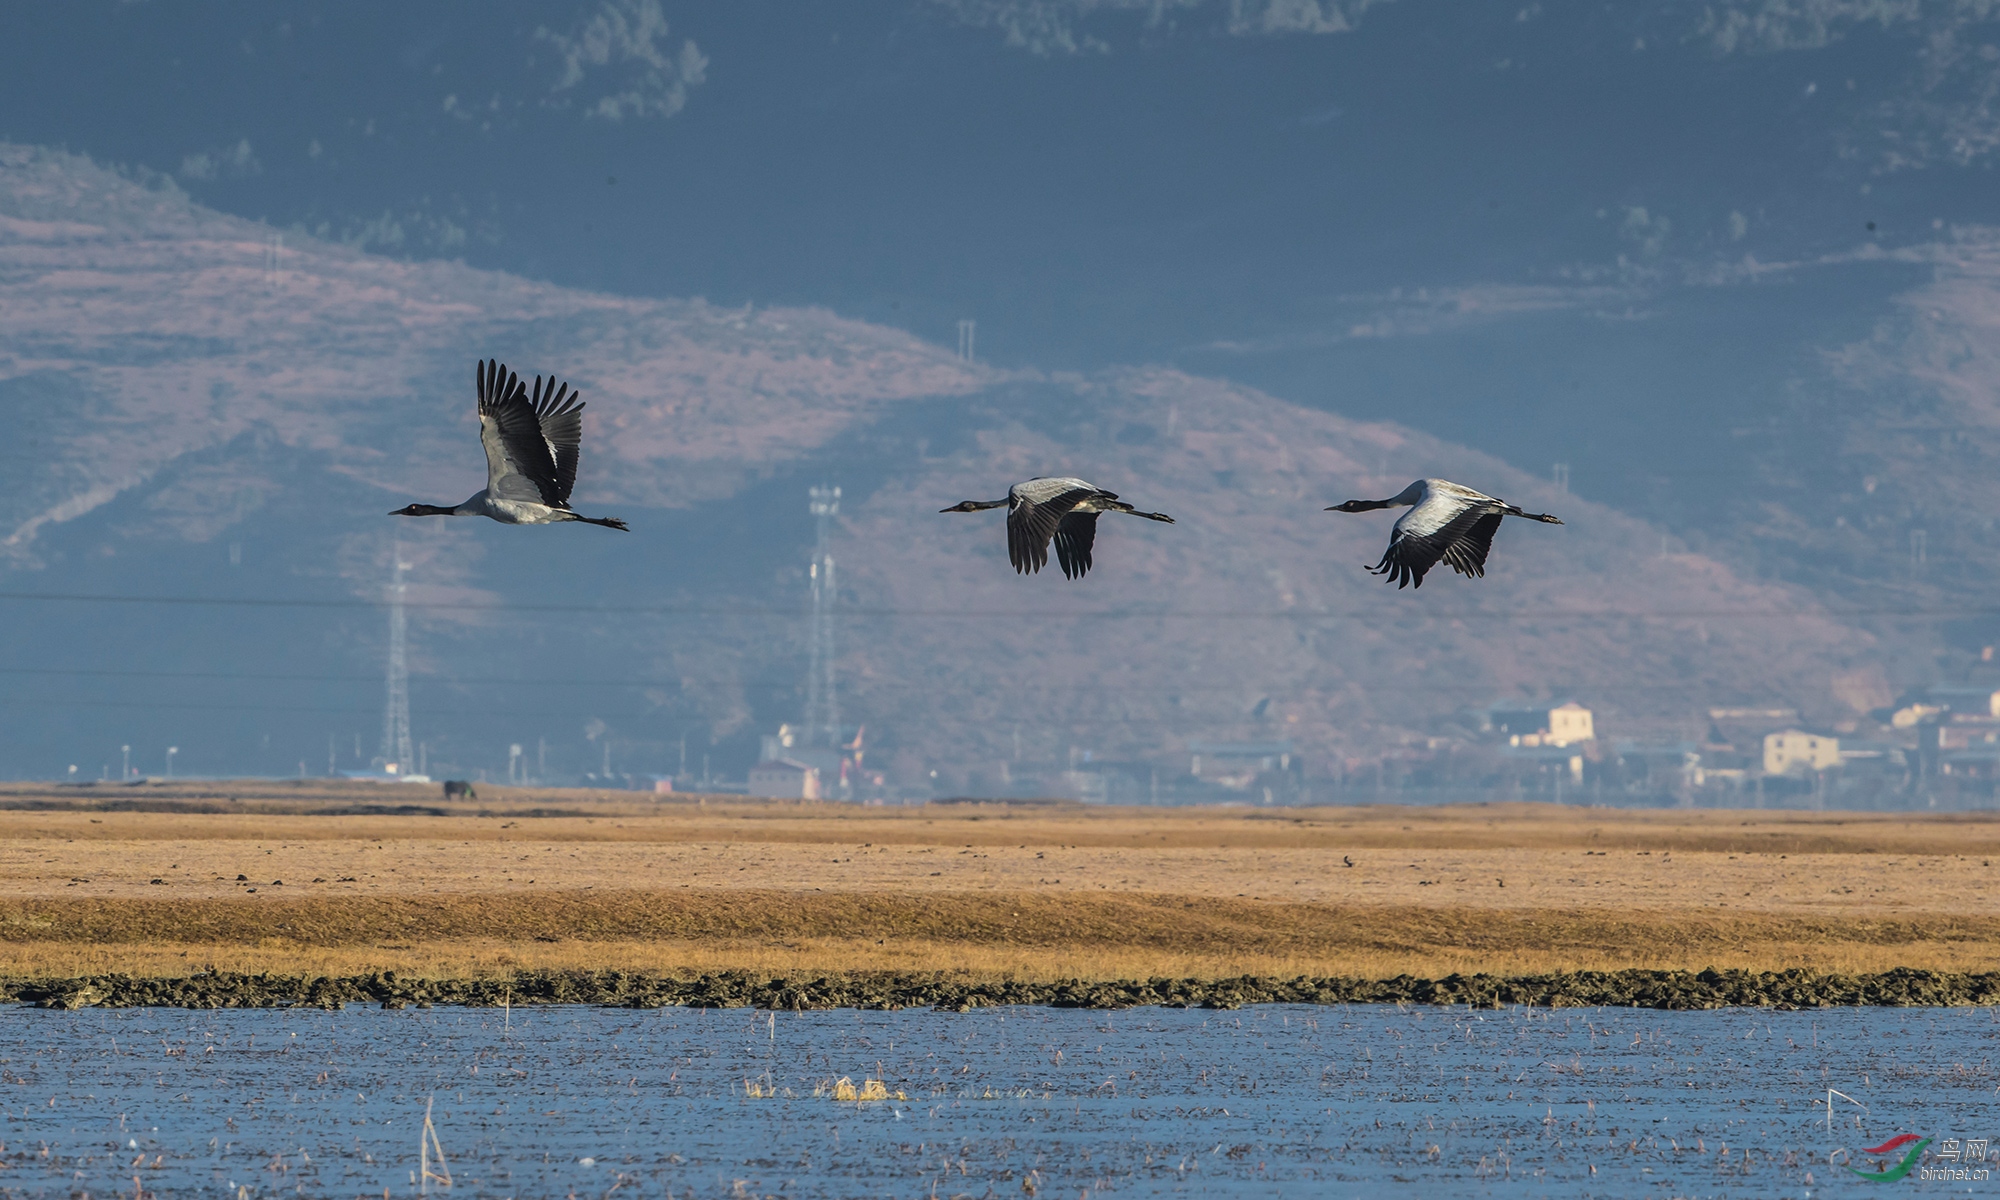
[459,789]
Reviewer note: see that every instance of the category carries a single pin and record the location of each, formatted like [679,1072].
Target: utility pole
[822,723]
[396,750]
[966,332]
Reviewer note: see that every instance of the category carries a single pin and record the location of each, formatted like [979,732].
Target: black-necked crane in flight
[1061,509]
[531,451]
[1447,522]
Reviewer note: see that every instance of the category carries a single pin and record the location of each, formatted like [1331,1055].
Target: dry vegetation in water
[345,879]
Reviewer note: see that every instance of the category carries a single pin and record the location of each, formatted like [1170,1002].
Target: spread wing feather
[520,464]
[1075,534]
[1030,525]
[1468,554]
[1462,541]
[559,411]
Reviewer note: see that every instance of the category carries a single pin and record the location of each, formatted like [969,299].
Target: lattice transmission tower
[822,698]
[396,749]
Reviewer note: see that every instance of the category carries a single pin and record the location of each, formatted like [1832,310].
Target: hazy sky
[1621,237]
[1496,221]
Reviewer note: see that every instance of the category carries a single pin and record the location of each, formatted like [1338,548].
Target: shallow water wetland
[1264,1101]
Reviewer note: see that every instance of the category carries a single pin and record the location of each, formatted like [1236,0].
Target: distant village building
[1569,724]
[1237,765]
[1970,700]
[1909,716]
[777,745]
[1882,759]
[1563,725]
[1794,751]
[1957,699]
[1964,744]
[1739,739]
[1557,760]
[1666,766]
[1725,757]
[1755,716]
[784,779]
[784,754]
[1513,720]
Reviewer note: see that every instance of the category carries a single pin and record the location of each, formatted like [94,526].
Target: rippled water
[1008,1102]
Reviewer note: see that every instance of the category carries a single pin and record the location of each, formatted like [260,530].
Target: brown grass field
[324,878]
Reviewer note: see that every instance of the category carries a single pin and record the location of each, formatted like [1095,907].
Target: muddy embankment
[1679,990]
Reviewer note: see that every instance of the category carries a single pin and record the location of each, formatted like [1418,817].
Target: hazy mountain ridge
[185,378]
[1883,493]
[1264,595]
[175,329]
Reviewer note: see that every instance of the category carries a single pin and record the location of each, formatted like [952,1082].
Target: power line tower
[822,700]
[396,713]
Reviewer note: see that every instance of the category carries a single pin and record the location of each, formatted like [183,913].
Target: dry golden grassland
[329,879]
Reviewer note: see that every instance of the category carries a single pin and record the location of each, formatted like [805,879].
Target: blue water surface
[1267,1101]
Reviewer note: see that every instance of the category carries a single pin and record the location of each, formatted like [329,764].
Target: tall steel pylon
[822,699]
[396,713]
